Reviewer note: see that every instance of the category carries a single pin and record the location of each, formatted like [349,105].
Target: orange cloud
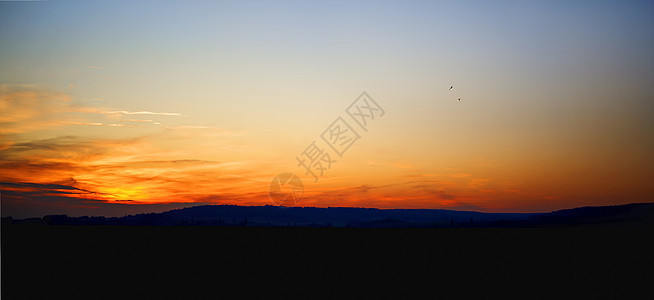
[24,108]
[146,169]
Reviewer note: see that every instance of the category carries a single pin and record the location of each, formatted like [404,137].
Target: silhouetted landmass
[584,253]
[628,214]
[276,216]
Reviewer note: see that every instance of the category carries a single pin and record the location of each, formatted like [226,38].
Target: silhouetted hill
[628,214]
[333,216]
[232,215]
[563,254]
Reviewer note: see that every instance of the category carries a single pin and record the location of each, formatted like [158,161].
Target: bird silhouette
[451,87]
[459,99]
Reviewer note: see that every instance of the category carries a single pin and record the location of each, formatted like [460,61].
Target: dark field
[101,262]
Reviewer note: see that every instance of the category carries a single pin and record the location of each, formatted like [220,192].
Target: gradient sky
[109,108]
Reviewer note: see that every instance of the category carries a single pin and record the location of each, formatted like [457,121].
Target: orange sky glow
[556,106]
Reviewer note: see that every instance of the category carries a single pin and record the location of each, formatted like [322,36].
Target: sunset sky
[113,108]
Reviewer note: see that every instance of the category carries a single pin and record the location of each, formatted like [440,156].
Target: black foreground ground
[187,262]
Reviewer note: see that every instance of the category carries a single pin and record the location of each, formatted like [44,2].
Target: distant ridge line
[637,214]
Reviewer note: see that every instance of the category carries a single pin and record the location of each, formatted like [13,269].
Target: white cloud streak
[124,112]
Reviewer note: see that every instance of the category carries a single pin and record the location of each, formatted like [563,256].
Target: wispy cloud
[95,124]
[92,110]
[190,127]
[124,112]
[26,108]
[39,186]
[83,123]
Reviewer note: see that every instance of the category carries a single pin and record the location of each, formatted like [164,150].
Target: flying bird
[459,99]
[451,87]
